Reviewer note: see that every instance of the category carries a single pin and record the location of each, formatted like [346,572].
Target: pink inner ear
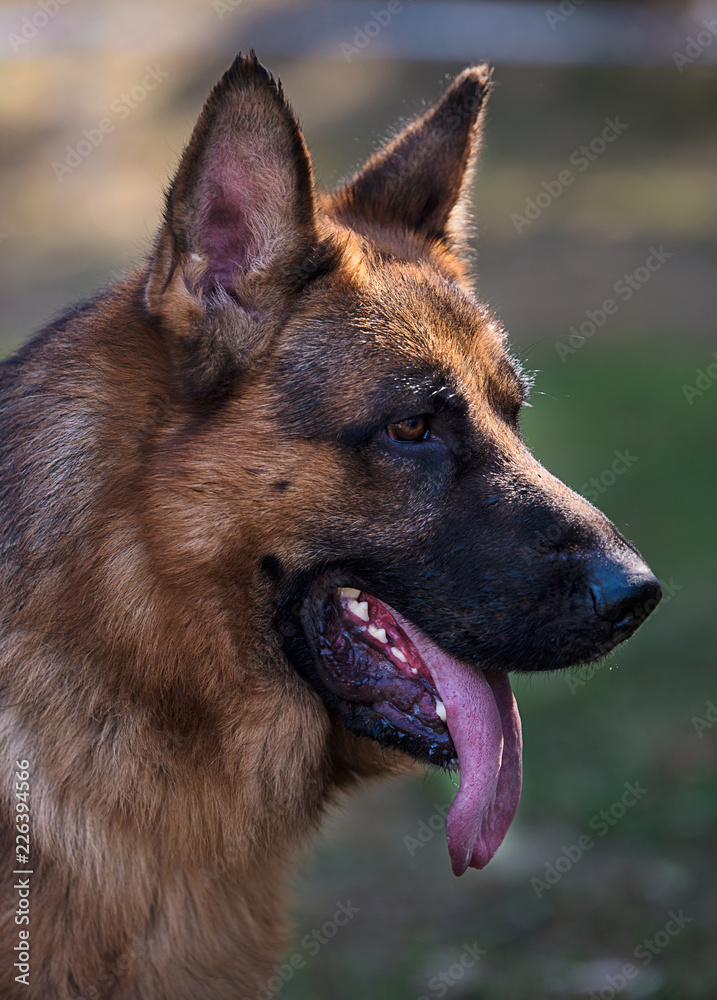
[242,195]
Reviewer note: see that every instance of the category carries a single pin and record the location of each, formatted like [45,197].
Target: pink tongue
[484,724]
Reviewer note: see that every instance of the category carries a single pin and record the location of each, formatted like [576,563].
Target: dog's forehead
[401,326]
[413,310]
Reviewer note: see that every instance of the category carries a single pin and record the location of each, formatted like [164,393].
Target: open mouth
[388,680]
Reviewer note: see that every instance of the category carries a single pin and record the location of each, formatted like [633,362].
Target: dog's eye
[413,429]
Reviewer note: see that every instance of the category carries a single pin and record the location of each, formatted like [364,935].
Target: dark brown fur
[178,457]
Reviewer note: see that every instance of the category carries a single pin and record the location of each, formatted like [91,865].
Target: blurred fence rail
[562,32]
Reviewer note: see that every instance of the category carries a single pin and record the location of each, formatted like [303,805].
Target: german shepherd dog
[269,528]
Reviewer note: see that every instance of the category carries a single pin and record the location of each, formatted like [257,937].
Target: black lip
[576,641]
[299,610]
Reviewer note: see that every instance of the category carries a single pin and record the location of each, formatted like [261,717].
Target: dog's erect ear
[421,179]
[239,234]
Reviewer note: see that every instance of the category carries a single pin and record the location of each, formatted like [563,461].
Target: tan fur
[177,762]
[158,489]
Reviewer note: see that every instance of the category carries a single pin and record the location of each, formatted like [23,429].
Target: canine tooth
[413,670]
[440,710]
[399,655]
[349,593]
[377,633]
[359,608]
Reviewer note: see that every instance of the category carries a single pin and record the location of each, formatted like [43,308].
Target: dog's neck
[177,786]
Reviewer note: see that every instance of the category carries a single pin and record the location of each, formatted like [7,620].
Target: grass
[586,735]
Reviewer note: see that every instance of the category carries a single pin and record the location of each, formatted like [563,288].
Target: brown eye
[413,429]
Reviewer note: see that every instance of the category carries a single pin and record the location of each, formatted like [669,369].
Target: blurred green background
[644,716]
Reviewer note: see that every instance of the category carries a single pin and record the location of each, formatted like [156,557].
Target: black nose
[624,592]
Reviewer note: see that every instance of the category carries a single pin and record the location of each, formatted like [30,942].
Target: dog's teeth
[440,710]
[413,670]
[359,608]
[349,593]
[377,633]
[399,656]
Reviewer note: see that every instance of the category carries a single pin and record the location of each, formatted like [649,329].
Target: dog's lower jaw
[355,758]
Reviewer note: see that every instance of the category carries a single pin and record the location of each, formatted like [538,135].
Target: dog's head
[351,431]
